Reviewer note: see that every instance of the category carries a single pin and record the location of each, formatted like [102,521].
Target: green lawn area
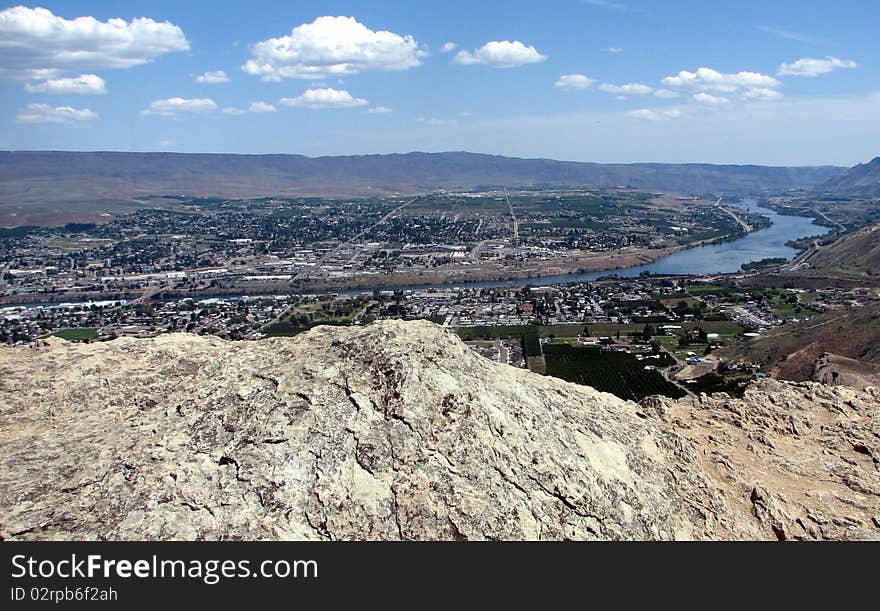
[707,289]
[285,328]
[784,309]
[77,335]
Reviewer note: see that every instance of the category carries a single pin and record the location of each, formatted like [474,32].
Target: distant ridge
[861,180]
[49,178]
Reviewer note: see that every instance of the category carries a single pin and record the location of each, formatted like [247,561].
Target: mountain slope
[101,179]
[790,352]
[398,431]
[836,369]
[861,180]
[857,252]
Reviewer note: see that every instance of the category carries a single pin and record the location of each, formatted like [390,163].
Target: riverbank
[724,255]
[578,263]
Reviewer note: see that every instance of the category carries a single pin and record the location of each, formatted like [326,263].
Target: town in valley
[473,262]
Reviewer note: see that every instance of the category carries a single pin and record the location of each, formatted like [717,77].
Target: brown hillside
[858,252]
[790,352]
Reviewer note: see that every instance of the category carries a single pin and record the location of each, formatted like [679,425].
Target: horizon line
[418,152]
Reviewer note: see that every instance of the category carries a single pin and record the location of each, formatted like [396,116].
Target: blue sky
[781,83]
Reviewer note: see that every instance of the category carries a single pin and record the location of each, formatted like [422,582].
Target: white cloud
[44,113]
[707,79]
[37,44]
[808,66]
[667,94]
[260,107]
[172,106]
[715,88]
[331,46]
[448,47]
[434,121]
[232,110]
[571,82]
[501,54]
[782,33]
[708,98]
[379,110]
[655,115]
[761,94]
[213,77]
[615,6]
[627,89]
[167,143]
[324,98]
[83,84]
[614,50]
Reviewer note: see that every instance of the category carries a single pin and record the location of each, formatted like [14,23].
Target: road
[802,258]
[746,227]
[475,251]
[3,273]
[835,223]
[356,237]
[150,292]
[668,371]
[515,222]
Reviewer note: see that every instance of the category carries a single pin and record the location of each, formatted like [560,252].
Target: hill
[397,430]
[857,252]
[791,352]
[836,369]
[35,183]
[861,180]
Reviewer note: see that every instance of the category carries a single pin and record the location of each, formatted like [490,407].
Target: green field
[616,372]
[286,328]
[77,335]
[707,289]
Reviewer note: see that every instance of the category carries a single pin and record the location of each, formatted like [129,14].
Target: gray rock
[398,431]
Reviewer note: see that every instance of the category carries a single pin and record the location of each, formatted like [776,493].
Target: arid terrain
[791,352]
[49,187]
[397,430]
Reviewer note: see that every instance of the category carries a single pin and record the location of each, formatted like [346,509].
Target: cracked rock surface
[398,431]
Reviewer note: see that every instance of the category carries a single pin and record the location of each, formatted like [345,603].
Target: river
[717,258]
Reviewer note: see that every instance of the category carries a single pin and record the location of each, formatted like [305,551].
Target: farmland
[619,373]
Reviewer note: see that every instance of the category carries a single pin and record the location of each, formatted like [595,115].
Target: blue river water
[717,258]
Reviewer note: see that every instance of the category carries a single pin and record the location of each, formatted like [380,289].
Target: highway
[746,227]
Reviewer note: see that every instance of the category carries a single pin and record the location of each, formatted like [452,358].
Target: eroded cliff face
[398,431]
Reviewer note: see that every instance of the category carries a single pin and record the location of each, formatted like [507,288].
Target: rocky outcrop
[398,431]
[801,458]
[842,371]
